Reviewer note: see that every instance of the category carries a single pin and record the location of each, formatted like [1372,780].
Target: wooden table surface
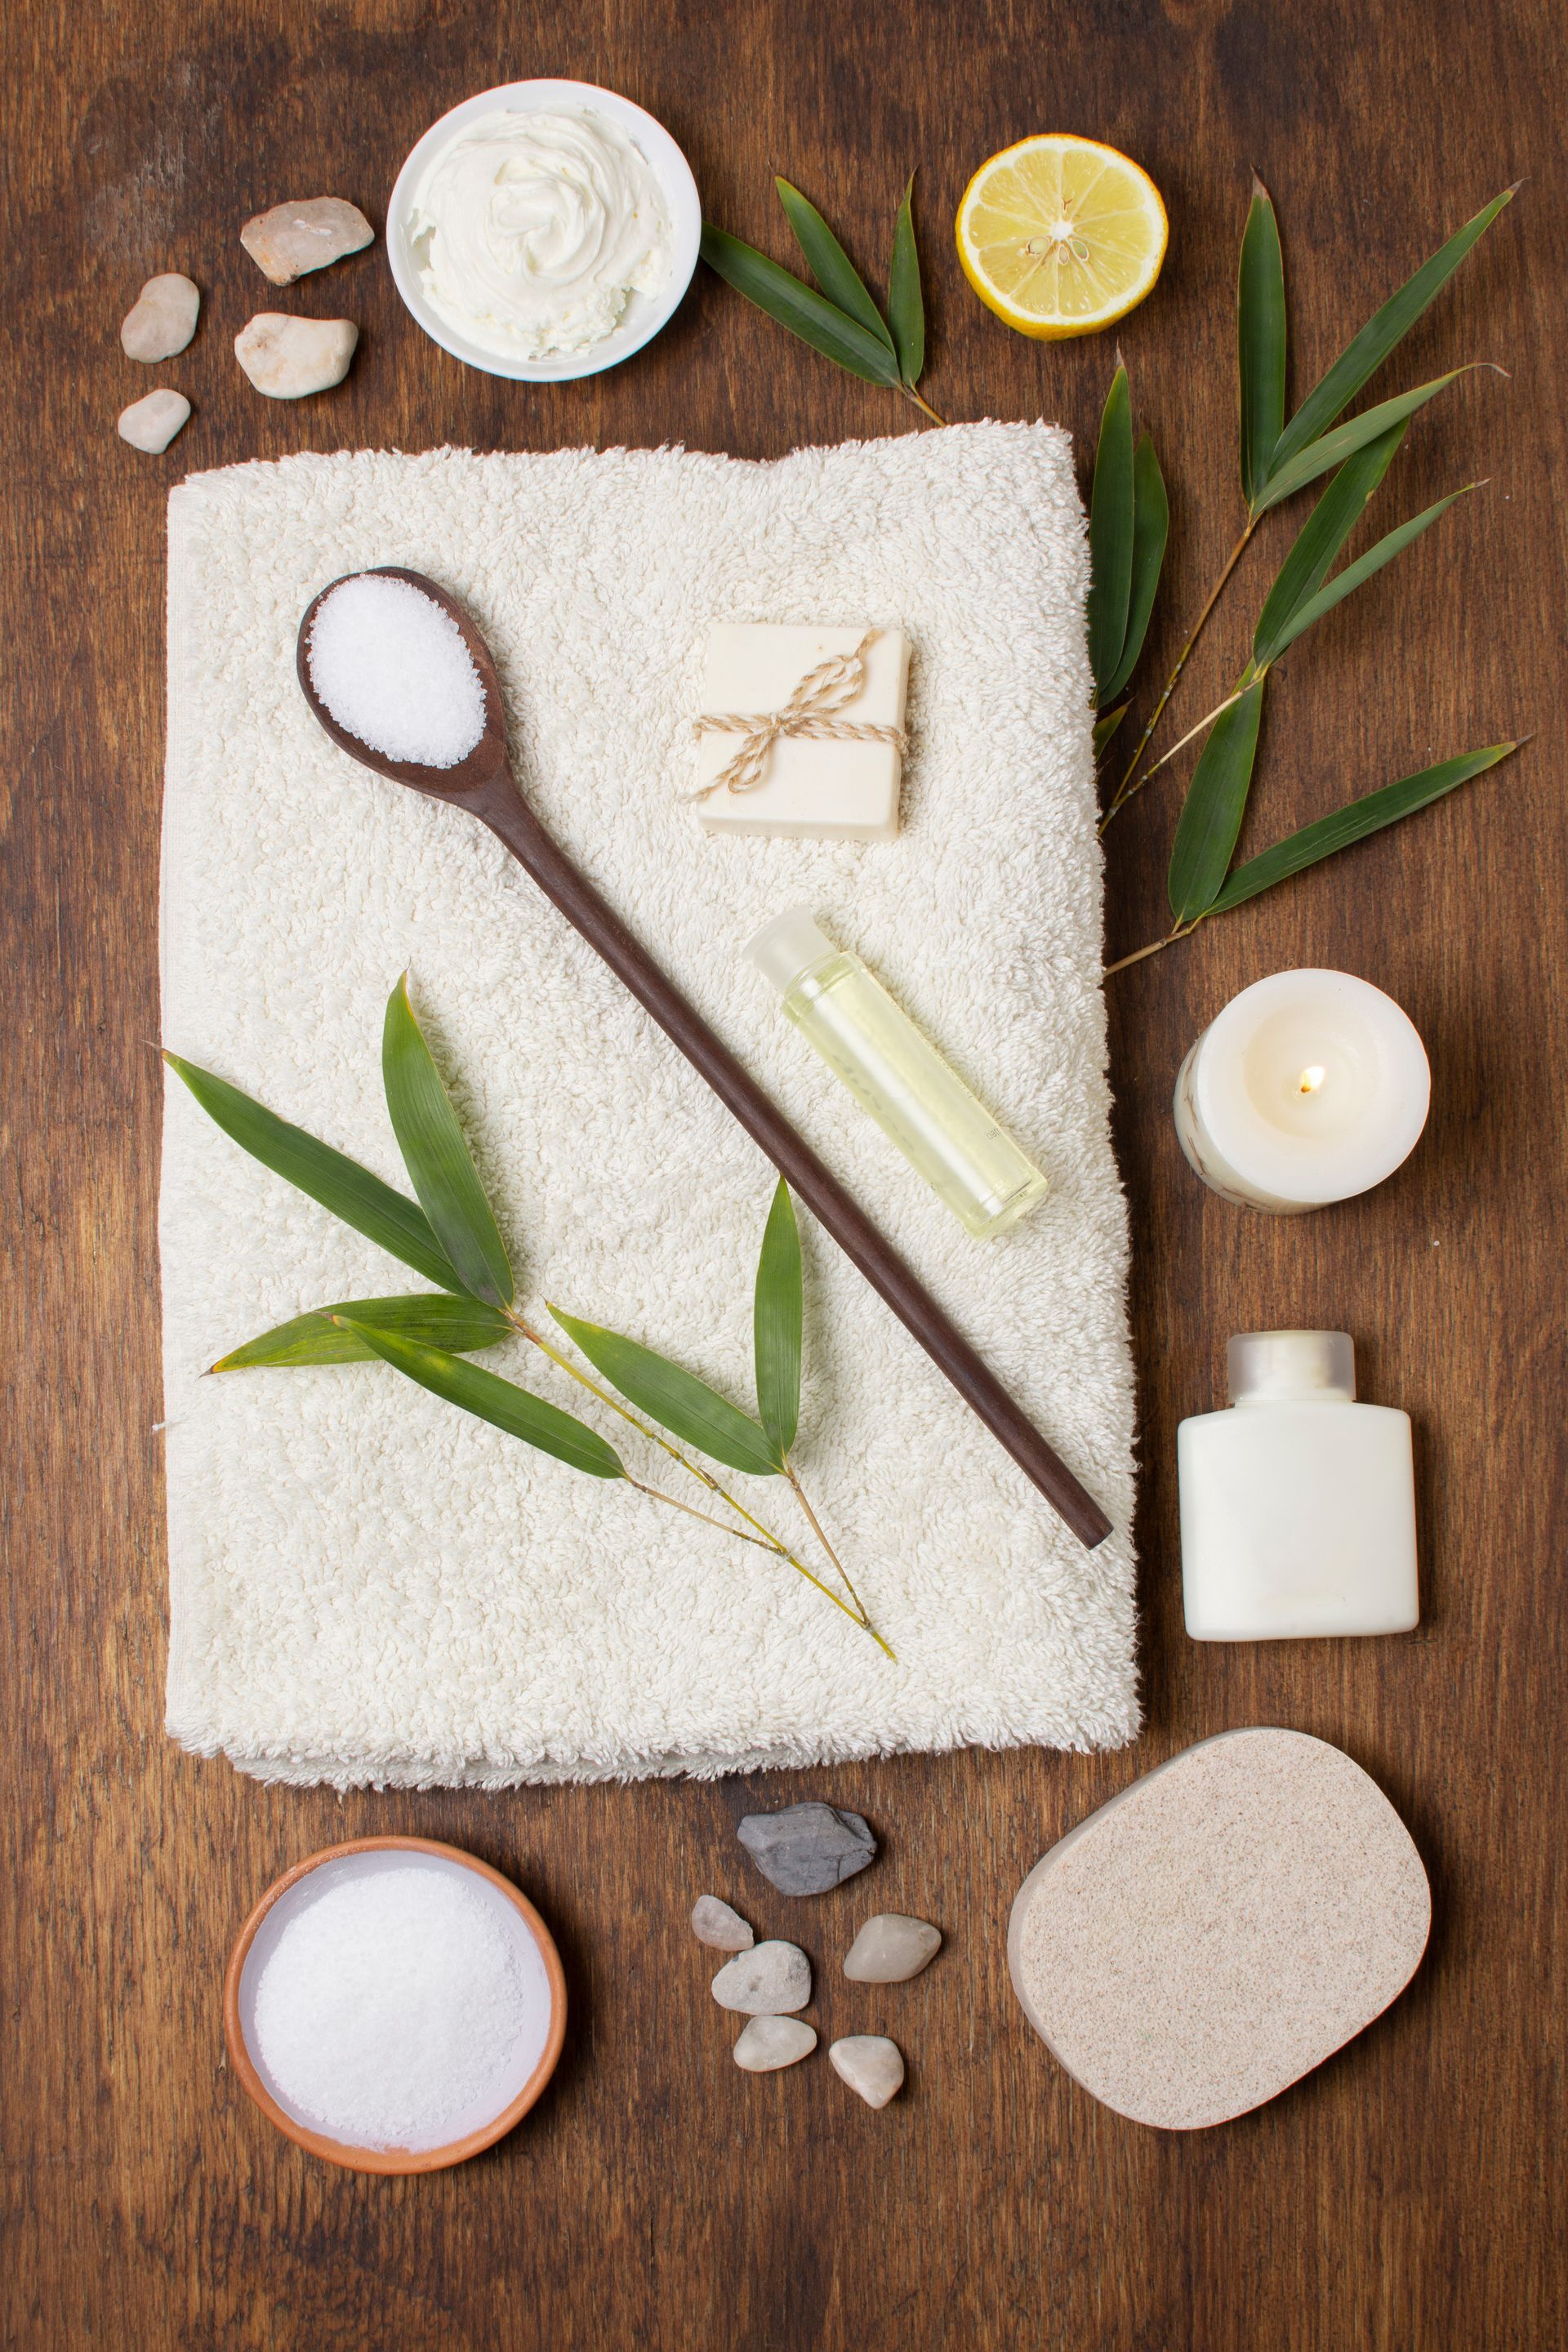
[1408,2195]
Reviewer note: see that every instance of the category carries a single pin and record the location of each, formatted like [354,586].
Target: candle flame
[1311,1078]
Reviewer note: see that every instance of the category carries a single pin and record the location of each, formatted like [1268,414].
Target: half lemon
[1060,235]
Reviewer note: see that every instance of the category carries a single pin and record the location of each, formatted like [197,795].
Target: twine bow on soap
[809,713]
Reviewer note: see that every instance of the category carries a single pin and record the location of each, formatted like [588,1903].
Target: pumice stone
[1220,1928]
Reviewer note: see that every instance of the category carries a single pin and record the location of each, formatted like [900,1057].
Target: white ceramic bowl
[644,315]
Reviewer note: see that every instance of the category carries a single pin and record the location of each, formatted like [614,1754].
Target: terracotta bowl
[238,1992]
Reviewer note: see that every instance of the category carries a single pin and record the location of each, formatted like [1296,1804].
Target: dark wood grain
[1410,2194]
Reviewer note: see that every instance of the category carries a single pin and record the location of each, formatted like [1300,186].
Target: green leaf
[436,1157]
[1214,806]
[1106,725]
[1356,574]
[829,263]
[676,1400]
[1384,330]
[906,304]
[778,1318]
[1322,457]
[1111,525]
[458,1324]
[1320,539]
[1355,821]
[1150,529]
[500,1403]
[394,1223]
[1260,341]
[800,308]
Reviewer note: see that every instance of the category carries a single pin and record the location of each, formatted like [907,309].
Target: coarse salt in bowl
[395,2005]
[643,314]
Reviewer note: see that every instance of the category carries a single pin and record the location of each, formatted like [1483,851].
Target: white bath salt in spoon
[396,2011]
[392,669]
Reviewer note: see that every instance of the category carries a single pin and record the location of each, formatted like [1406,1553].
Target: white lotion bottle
[897,1075]
[1297,1504]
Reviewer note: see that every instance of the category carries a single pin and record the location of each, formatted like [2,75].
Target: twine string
[811,713]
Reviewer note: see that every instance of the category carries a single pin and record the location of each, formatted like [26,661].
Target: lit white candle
[1310,1086]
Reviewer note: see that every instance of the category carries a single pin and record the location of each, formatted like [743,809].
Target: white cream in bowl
[533,231]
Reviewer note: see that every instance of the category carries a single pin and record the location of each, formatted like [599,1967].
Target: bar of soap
[1220,1928]
[811,790]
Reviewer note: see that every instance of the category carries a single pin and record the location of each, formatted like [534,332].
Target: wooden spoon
[484,785]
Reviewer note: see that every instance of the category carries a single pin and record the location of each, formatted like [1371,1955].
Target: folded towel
[369,1586]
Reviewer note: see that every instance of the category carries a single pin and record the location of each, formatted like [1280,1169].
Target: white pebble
[162,320]
[765,1982]
[293,238]
[152,422]
[715,1923]
[288,359]
[392,668]
[770,2042]
[870,2065]
[891,1949]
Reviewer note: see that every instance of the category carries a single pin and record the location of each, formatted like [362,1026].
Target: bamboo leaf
[1352,822]
[430,1318]
[351,1192]
[1106,725]
[800,308]
[437,1158]
[1214,806]
[500,1403]
[906,303]
[1386,327]
[1150,529]
[829,263]
[1320,457]
[675,1399]
[1260,341]
[1356,574]
[778,1318]
[1110,526]
[1320,539]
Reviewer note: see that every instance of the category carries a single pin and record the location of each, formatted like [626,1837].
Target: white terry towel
[369,1586]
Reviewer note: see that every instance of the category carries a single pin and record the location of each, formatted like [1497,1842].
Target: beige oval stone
[769,2042]
[871,2065]
[891,1948]
[714,1923]
[287,359]
[152,422]
[1220,1928]
[162,320]
[768,1981]
[310,234]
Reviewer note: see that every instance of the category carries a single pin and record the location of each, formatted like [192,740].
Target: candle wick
[1311,1078]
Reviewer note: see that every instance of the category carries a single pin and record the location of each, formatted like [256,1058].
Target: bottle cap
[788,946]
[1266,1367]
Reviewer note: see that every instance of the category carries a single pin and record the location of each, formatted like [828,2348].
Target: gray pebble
[805,1849]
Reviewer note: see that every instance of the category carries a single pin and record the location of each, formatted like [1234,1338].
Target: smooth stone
[767,1981]
[870,2065]
[152,422]
[287,359]
[714,1923]
[162,320]
[292,239]
[805,1849]
[769,2042]
[891,1948]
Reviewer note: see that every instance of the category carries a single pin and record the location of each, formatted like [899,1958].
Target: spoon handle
[501,807]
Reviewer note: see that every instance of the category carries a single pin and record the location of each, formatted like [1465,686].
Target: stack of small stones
[286,358]
[806,1850]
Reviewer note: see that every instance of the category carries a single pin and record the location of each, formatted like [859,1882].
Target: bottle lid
[1266,1367]
[788,946]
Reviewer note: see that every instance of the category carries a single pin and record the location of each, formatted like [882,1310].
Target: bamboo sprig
[449,1234]
[1279,458]
[838,316]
